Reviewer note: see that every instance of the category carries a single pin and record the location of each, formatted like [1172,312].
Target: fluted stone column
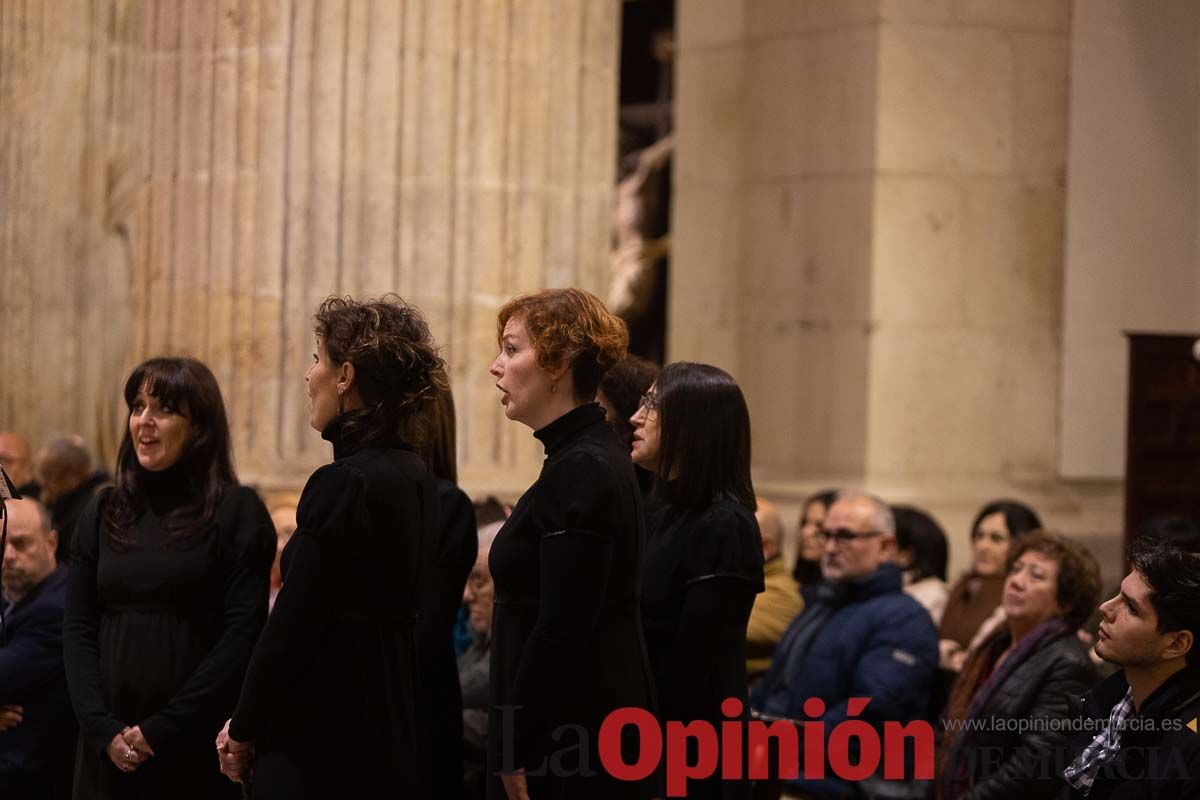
[191,177]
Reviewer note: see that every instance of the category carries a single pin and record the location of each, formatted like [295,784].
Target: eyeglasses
[844,536]
[649,401]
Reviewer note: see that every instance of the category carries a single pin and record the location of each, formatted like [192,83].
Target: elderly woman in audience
[921,555]
[1023,672]
[809,542]
[977,594]
[473,666]
[704,553]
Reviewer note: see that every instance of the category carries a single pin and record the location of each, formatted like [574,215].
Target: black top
[448,561]
[567,645]
[703,570]
[158,634]
[1159,757]
[330,695]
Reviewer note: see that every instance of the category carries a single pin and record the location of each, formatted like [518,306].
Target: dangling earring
[340,410]
[554,387]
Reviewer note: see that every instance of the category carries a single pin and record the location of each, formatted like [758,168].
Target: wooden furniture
[1162,466]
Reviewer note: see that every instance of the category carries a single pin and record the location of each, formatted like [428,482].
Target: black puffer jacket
[1010,746]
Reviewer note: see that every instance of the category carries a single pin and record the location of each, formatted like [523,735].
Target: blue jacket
[32,676]
[860,638]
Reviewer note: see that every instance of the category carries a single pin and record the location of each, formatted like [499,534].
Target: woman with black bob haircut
[704,558]
[328,707]
[167,594]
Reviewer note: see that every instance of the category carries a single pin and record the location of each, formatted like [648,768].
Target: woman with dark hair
[809,542]
[704,556]
[567,645]
[447,563]
[620,391]
[921,554]
[1024,672]
[167,594]
[977,594]
[328,707]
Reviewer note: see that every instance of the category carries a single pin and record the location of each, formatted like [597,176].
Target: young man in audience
[1139,738]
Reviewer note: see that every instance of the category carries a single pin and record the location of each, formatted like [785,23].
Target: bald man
[15,458]
[37,726]
[776,607]
[69,479]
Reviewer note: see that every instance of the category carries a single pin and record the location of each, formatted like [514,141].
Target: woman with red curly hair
[567,644]
[328,704]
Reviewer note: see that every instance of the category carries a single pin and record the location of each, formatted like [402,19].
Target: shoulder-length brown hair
[569,326]
[397,368]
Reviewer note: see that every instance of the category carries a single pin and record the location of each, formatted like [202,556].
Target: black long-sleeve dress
[567,645]
[703,569]
[446,566]
[329,699]
[159,634]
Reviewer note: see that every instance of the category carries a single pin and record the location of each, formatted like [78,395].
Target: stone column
[869,234]
[193,178]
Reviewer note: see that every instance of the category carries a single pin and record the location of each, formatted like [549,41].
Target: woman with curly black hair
[328,707]
[166,596]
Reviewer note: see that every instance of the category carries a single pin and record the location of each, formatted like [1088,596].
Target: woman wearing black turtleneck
[567,645]
[166,596]
[704,557]
[328,707]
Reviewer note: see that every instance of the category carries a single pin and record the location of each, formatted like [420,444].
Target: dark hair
[206,462]
[438,440]
[623,386]
[397,369]
[917,530]
[1078,573]
[1173,528]
[1172,571]
[489,510]
[571,326]
[1018,517]
[704,434]
[808,572]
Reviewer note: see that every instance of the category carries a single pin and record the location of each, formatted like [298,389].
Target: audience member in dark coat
[704,556]
[567,644]
[1023,673]
[329,704]
[69,479]
[37,726]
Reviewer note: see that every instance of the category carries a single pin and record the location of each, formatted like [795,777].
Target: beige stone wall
[193,178]
[1133,210]
[869,229]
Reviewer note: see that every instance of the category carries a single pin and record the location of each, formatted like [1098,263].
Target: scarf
[1082,771]
[955,780]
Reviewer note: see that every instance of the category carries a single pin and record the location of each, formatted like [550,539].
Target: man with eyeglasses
[862,637]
